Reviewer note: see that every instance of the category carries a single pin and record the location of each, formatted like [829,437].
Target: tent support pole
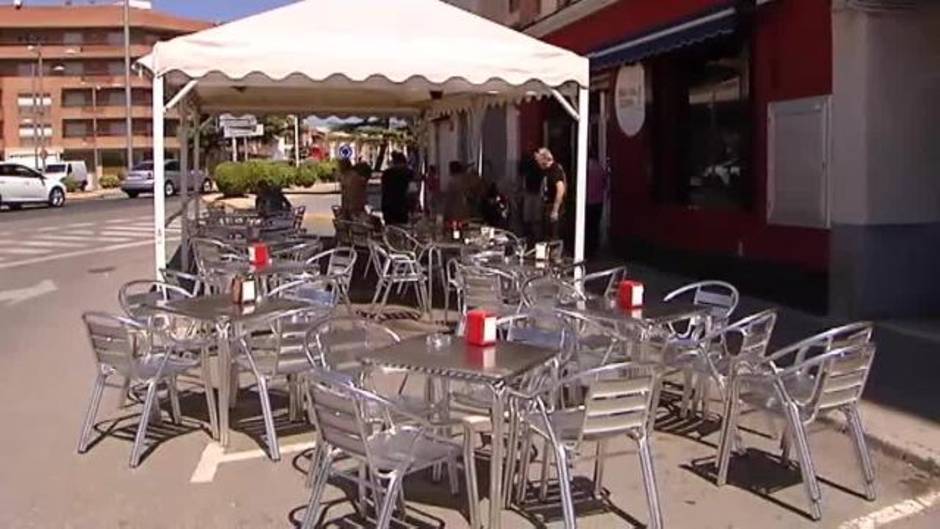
[563,101]
[197,160]
[159,177]
[180,95]
[182,134]
[581,179]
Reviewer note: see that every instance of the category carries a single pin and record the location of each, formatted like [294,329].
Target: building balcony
[106,112]
[114,142]
[72,52]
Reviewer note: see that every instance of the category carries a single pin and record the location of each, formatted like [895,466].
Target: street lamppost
[39,127]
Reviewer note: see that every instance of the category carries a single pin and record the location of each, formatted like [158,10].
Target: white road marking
[16,296]
[77,253]
[25,251]
[214,455]
[58,237]
[893,513]
[43,244]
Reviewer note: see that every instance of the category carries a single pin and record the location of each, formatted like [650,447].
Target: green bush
[327,170]
[307,174]
[232,179]
[71,185]
[109,181]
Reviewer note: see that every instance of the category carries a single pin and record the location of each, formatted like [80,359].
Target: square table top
[220,307]
[461,360]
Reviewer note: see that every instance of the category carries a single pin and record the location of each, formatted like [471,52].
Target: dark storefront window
[703,125]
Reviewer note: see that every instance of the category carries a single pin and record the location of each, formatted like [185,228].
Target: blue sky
[213,10]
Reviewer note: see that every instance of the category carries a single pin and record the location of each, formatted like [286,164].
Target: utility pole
[128,119]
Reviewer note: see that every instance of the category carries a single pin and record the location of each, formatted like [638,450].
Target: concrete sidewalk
[95,195]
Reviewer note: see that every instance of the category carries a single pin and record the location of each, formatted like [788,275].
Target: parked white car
[21,185]
[76,170]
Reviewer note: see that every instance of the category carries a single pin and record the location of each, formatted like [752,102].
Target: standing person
[554,187]
[355,184]
[395,181]
[532,178]
[596,192]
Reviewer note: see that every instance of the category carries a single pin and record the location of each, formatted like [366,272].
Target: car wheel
[207,186]
[131,194]
[56,198]
[169,189]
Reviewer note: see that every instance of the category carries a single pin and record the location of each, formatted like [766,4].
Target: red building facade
[695,177]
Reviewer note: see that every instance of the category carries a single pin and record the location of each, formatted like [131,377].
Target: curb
[919,459]
[93,195]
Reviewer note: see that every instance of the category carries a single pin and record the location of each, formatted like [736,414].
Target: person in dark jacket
[395,181]
[270,201]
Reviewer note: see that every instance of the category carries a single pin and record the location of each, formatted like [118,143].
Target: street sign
[246,121]
[244,132]
[345,151]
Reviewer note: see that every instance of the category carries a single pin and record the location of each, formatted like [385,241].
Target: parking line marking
[214,455]
[893,513]
[76,253]
[47,244]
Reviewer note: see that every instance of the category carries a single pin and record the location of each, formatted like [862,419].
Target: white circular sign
[345,151]
[630,99]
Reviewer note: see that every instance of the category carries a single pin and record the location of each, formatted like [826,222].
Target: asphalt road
[46,373]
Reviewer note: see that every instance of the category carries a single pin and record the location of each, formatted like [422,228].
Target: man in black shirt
[395,182]
[554,188]
[532,213]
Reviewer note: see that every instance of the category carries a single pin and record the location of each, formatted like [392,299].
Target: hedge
[109,181]
[240,178]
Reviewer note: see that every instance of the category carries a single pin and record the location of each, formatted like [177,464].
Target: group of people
[544,185]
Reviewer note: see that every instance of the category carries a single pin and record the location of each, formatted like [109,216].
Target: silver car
[140,179]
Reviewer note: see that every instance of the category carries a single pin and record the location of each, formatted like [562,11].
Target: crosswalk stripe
[25,251]
[42,244]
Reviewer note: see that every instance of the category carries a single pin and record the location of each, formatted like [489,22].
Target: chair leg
[524,467]
[564,485]
[362,489]
[274,451]
[293,403]
[599,467]
[543,486]
[174,396]
[785,446]
[729,428]
[649,483]
[807,469]
[125,392]
[320,471]
[861,450]
[142,427]
[686,403]
[470,474]
[233,385]
[452,476]
[391,495]
[210,396]
[512,453]
[93,404]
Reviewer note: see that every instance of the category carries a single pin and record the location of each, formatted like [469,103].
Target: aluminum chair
[549,292]
[345,425]
[188,282]
[801,382]
[320,291]
[299,252]
[397,270]
[334,343]
[125,347]
[362,234]
[297,214]
[620,401]
[710,362]
[720,297]
[603,282]
[556,249]
[342,229]
[338,263]
[480,287]
[138,297]
[272,349]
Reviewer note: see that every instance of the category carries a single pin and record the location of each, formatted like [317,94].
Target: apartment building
[73,106]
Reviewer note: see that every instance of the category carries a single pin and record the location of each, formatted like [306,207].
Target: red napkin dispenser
[258,254]
[483,356]
[630,294]
[481,328]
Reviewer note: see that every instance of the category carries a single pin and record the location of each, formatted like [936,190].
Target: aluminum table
[228,318]
[456,361]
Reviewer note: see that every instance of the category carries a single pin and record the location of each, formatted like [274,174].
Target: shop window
[703,125]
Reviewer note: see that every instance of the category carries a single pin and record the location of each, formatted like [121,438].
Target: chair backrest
[115,341]
[540,328]
[318,290]
[211,250]
[399,239]
[753,335]
[548,291]
[842,376]
[481,288]
[298,213]
[556,250]
[137,297]
[299,252]
[338,414]
[619,399]
[342,229]
[334,343]
[609,280]
[188,282]
[277,337]
[720,297]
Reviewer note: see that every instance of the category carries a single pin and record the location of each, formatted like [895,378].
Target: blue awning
[701,27]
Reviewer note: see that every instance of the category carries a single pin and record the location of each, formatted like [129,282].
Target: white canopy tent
[361,57]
